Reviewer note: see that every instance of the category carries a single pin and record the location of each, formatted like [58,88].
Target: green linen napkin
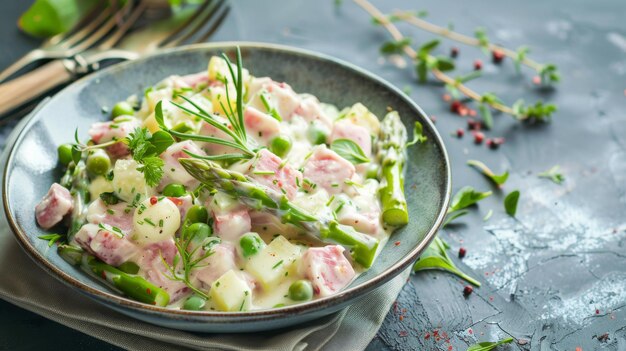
[25,284]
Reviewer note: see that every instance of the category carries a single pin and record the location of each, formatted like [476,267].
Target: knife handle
[23,89]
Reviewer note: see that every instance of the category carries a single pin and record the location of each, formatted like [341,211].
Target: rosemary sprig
[236,131]
[425,63]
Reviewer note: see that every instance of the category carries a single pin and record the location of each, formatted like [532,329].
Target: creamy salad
[224,191]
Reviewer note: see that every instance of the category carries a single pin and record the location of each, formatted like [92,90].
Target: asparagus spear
[392,155]
[131,285]
[362,247]
[76,180]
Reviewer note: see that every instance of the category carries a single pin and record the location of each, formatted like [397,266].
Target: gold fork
[191,26]
[101,20]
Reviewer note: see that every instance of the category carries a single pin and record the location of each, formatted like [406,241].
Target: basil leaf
[349,150]
[161,140]
[510,203]
[488,345]
[465,197]
[435,257]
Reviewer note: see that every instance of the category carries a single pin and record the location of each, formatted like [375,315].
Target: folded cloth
[25,284]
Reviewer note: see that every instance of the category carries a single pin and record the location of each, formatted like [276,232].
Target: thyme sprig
[548,73]
[426,63]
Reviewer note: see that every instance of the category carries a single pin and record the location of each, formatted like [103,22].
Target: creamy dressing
[324,184]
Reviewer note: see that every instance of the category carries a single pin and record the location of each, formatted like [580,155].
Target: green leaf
[510,203]
[454,215]
[418,135]
[51,238]
[425,49]
[483,40]
[77,155]
[488,345]
[110,198]
[158,115]
[452,89]
[394,47]
[422,71]
[553,174]
[522,51]
[485,113]
[444,63]
[161,140]
[539,111]
[470,76]
[435,257]
[46,18]
[465,197]
[497,179]
[549,74]
[349,150]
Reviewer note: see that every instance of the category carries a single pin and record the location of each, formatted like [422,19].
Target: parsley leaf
[145,149]
[152,169]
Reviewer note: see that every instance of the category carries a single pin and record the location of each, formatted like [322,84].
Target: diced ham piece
[230,225]
[327,268]
[280,95]
[328,170]
[221,261]
[152,268]
[118,215]
[356,133]
[261,126]
[173,171]
[209,130]
[283,179]
[102,132]
[54,206]
[193,80]
[108,245]
[311,110]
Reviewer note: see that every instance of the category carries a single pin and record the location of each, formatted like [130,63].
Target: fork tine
[188,22]
[88,20]
[214,26]
[104,29]
[121,30]
[204,17]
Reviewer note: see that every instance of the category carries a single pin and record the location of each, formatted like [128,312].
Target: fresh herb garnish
[349,150]
[510,203]
[51,238]
[418,135]
[488,345]
[277,264]
[145,149]
[465,197]
[395,46]
[499,180]
[110,198]
[454,215]
[271,110]
[553,174]
[436,257]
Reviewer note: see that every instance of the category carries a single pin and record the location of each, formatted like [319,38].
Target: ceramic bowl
[32,166]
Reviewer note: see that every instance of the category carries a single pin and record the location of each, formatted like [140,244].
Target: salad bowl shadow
[31,166]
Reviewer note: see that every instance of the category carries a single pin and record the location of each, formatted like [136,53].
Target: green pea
[122,108]
[372,171]
[251,244]
[301,290]
[65,154]
[280,145]
[194,303]
[317,135]
[174,190]
[197,231]
[197,214]
[98,162]
[183,127]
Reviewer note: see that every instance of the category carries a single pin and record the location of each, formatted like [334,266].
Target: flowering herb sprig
[426,63]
